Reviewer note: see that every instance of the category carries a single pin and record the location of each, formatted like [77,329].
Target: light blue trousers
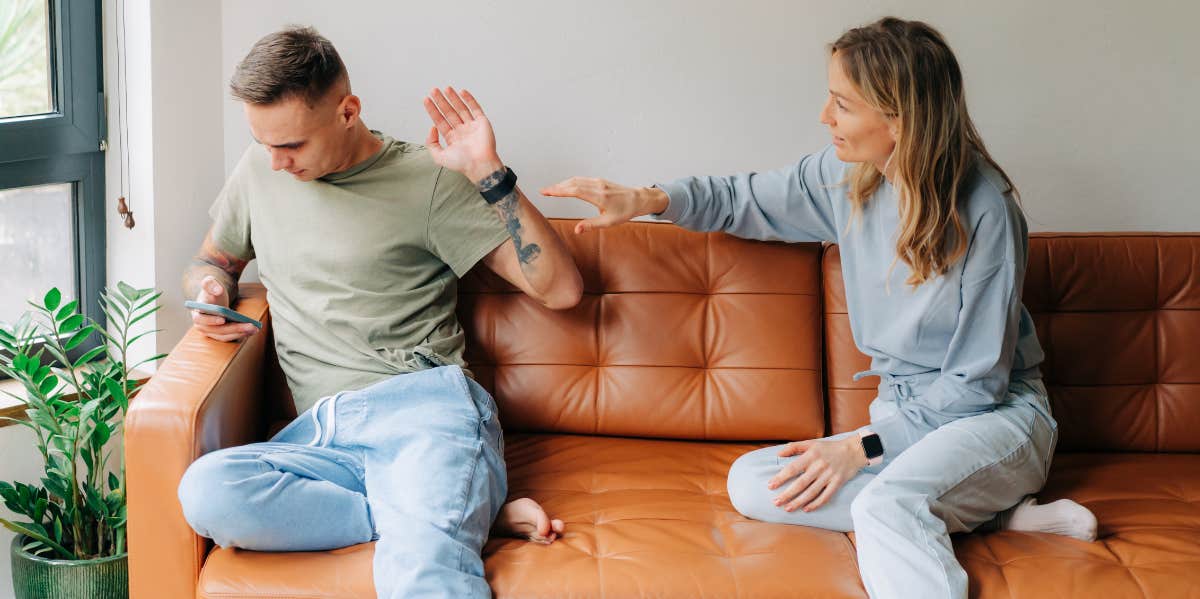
[954,479]
[415,461]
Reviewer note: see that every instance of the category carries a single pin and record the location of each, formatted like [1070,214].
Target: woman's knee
[747,483]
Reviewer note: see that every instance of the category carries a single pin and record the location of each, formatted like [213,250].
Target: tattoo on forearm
[508,208]
[199,269]
[492,180]
[223,267]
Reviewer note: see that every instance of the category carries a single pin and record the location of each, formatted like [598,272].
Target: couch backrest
[1119,317]
[678,335]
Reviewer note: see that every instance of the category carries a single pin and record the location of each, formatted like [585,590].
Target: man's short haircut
[294,62]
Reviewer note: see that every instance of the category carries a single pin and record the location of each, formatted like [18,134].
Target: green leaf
[102,433]
[58,530]
[147,301]
[48,384]
[32,365]
[144,314]
[9,494]
[66,310]
[72,323]
[95,503]
[32,423]
[113,482]
[19,362]
[89,408]
[23,528]
[53,297]
[40,375]
[78,338]
[150,359]
[55,485]
[114,388]
[56,353]
[127,290]
[61,443]
[22,328]
[91,354]
[131,341]
[39,508]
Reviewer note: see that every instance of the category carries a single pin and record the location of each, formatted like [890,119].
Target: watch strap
[500,190]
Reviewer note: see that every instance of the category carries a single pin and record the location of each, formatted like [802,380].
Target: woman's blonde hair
[906,70]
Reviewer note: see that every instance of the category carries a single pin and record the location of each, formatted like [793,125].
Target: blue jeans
[956,478]
[415,461]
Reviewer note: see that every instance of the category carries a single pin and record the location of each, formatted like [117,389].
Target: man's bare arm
[212,261]
[535,260]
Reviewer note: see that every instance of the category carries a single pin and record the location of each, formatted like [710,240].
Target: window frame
[67,144]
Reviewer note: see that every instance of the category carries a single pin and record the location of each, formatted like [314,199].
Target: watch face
[873,446]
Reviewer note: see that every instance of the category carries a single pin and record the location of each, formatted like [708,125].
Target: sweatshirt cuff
[677,196]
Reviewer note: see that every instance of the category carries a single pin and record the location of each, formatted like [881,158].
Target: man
[360,241]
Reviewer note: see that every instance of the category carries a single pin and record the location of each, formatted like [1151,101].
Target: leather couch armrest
[205,395]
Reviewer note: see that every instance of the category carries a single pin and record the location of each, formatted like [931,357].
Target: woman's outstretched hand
[617,203]
[823,467]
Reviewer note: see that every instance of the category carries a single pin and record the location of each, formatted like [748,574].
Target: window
[51,157]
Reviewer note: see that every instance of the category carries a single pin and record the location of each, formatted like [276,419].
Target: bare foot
[525,519]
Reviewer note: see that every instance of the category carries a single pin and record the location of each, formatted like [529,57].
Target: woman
[934,249]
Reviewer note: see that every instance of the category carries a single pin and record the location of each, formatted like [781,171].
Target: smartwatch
[872,446]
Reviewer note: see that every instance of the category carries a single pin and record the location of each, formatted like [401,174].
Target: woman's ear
[894,128]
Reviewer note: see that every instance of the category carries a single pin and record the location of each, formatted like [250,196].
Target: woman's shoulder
[987,193]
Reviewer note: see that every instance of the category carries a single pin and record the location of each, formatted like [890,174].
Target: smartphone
[221,311]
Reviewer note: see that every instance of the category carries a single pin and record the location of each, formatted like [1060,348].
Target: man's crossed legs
[415,462]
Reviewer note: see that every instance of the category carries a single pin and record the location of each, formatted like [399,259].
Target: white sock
[1062,517]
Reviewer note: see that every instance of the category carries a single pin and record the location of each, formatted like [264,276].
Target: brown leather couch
[624,413]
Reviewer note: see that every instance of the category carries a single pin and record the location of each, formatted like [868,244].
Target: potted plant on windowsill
[72,545]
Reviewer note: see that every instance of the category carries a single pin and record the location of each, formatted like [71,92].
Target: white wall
[173,115]
[175,149]
[1089,106]
[187,145]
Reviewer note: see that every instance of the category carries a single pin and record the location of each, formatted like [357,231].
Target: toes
[557,526]
[543,522]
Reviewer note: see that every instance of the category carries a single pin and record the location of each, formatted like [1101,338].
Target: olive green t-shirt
[361,266]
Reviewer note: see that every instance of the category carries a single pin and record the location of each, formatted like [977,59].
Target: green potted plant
[72,545]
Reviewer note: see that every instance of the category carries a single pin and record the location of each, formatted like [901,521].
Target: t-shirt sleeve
[231,215]
[463,228]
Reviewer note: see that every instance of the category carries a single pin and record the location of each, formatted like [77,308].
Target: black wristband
[502,189]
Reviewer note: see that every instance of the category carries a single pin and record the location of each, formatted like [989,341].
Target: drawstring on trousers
[331,401]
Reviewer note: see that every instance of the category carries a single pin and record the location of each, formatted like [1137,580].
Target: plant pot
[41,578]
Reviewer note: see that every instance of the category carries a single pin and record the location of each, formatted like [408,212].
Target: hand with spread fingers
[469,143]
[617,203]
[823,467]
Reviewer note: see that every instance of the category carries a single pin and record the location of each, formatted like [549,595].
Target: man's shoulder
[409,153]
[408,163]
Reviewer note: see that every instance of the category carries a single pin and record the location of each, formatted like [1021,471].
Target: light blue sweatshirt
[948,348]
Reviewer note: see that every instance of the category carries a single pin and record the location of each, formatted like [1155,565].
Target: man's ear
[349,109]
